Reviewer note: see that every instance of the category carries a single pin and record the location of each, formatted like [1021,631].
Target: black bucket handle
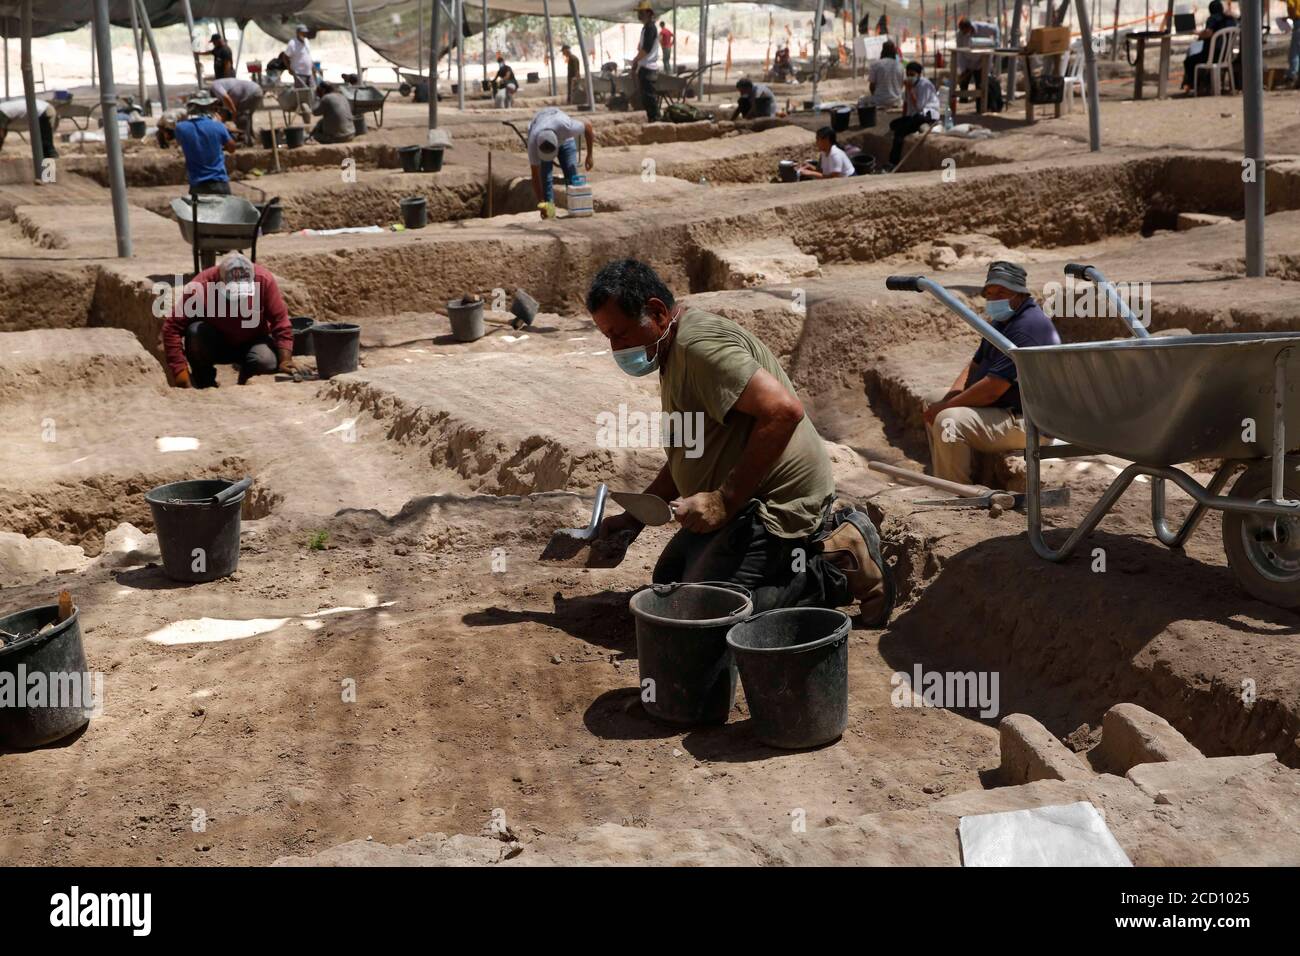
[238,488]
[740,589]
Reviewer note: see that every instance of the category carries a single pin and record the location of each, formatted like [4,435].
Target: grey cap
[1008,275]
[301,28]
[548,144]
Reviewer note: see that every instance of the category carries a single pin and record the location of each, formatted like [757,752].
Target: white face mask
[241,297]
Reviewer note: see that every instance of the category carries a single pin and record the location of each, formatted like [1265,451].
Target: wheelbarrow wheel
[1264,553]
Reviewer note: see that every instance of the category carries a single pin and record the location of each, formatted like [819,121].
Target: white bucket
[578,200]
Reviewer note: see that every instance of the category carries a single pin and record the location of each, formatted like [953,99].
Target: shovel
[567,542]
[648,509]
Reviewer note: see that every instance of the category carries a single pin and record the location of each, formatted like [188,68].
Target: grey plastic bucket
[410,158]
[681,646]
[466,320]
[198,537]
[303,344]
[794,666]
[59,655]
[415,212]
[337,346]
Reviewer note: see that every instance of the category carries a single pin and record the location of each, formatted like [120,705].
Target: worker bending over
[505,84]
[756,100]
[15,111]
[552,137]
[834,163]
[753,491]
[230,313]
[204,140]
[982,411]
[240,100]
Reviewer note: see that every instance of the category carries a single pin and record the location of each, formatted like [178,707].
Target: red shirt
[665,38]
[195,303]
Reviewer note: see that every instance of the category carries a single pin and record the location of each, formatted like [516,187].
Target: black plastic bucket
[866,116]
[302,340]
[274,220]
[863,165]
[840,118]
[338,348]
[794,663]
[415,212]
[359,124]
[681,645]
[431,158]
[68,690]
[410,158]
[198,537]
[787,171]
[137,128]
[266,136]
[295,136]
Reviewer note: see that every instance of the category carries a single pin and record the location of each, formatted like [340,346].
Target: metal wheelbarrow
[1159,402]
[214,225]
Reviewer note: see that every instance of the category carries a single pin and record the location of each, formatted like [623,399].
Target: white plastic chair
[1223,45]
[1072,73]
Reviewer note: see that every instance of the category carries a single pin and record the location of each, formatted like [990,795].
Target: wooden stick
[275,142]
[916,478]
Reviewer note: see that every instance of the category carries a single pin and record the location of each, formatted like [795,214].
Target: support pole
[139,55]
[1114,34]
[582,50]
[29,91]
[676,42]
[1252,89]
[189,25]
[419,38]
[92,68]
[433,63]
[1090,77]
[853,15]
[704,44]
[817,49]
[485,41]
[112,136]
[550,43]
[239,50]
[1014,66]
[459,9]
[147,27]
[352,27]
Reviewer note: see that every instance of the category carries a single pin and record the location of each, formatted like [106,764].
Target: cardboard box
[1048,40]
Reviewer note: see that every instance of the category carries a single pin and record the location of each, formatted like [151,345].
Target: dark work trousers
[903,127]
[645,84]
[205,348]
[211,187]
[744,552]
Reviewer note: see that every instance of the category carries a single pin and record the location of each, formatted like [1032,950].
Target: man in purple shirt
[982,411]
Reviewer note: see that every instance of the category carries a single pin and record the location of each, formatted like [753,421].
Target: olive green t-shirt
[711,361]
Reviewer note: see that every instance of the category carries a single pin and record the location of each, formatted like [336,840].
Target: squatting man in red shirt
[754,496]
[232,312]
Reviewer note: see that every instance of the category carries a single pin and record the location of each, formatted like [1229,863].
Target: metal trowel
[567,542]
[648,509]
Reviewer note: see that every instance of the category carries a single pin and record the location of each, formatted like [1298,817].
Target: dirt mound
[37,364]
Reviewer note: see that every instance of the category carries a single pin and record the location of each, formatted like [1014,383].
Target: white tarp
[1072,834]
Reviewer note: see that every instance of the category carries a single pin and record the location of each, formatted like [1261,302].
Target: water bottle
[945,100]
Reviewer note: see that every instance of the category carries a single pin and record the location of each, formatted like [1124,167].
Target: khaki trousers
[957,432]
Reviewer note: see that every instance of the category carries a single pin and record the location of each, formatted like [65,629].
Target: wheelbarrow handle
[983,327]
[1093,274]
[1078,270]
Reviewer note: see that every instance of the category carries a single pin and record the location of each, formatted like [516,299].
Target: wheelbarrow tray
[365,99]
[1162,400]
[293,97]
[225,222]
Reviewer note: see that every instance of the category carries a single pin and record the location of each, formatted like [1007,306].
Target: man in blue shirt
[982,412]
[204,140]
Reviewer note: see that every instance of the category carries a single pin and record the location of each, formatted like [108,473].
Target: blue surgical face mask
[999,310]
[636,361]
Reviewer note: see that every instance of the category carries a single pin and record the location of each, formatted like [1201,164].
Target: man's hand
[590,162]
[932,411]
[182,379]
[615,525]
[286,362]
[701,513]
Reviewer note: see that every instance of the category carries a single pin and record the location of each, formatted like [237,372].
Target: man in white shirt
[920,107]
[300,61]
[552,137]
[15,111]
[645,65]
[886,78]
[834,164]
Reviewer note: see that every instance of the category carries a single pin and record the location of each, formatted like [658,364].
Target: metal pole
[817,48]
[1114,33]
[1252,88]
[239,50]
[352,26]
[485,41]
[29,91]
[550,44]
[1090,77]
[582,50]
[1015,43]
[92,68]
[459,8]
[189,25]
[419,38]
[139,56]
[676,42]
[433,64]
[853,15]
[153,51]
[703,43]
[112,137]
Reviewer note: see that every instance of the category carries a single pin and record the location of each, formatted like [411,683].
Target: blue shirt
[201,141]
[1029,326]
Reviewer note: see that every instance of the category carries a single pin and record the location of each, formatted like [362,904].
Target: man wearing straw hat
[645,65]
[982,411]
